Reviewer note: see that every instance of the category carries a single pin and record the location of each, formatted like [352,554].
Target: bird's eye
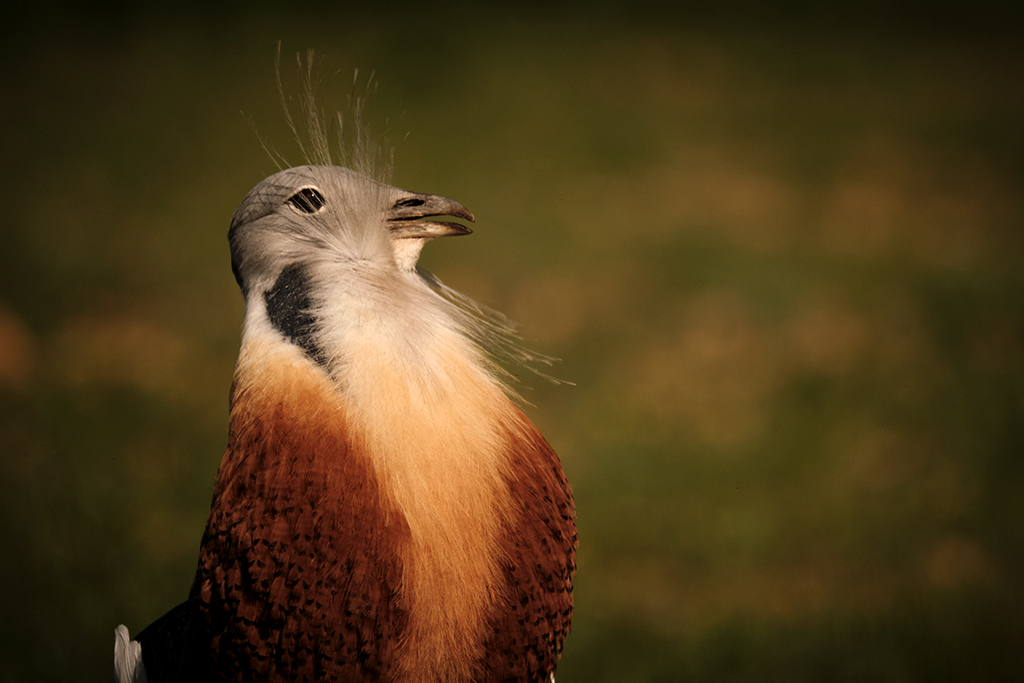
[412,201]
[307,200]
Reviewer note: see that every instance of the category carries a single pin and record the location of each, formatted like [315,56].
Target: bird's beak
[405,218]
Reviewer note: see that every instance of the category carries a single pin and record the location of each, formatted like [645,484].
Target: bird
[384,509]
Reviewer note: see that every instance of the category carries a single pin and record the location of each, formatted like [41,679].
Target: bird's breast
[385,524]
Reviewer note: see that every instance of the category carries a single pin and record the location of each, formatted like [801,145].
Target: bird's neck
[435,430]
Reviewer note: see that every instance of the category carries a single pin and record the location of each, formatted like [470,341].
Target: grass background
[781,253]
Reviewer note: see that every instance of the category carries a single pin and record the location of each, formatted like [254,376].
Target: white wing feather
[128,667]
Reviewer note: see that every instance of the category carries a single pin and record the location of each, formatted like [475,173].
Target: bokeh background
[781,252]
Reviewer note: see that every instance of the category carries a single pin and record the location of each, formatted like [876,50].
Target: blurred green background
[781,253]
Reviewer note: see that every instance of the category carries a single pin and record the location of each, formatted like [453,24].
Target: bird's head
[326,257]
[311,214]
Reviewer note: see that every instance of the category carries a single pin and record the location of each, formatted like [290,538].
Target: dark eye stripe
[307,200]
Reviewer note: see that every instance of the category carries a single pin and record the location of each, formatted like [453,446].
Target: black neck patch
[288,307]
